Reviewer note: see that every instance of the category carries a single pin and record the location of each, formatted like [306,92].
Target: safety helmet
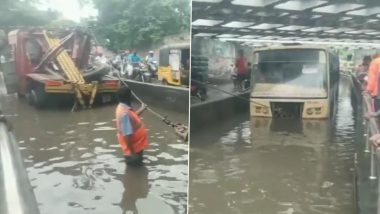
[151,52]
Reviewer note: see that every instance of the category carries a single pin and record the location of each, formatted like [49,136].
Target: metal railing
[371,128]
[16,193]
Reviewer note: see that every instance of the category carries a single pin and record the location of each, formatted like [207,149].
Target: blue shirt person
[134,58]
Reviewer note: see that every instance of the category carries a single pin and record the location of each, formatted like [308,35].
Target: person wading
[131,132]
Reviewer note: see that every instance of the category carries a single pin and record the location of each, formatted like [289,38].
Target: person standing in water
[131,133]
[241,67]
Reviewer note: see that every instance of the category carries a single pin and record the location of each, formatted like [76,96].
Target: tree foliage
[131,23]
[23,13]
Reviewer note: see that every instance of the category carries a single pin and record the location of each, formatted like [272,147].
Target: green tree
[131,23]
[23,13]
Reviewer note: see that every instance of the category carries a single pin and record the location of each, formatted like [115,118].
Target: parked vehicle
[198,90]
[295,81]
[51,64]
[199,77]
[174,65]
[141,73]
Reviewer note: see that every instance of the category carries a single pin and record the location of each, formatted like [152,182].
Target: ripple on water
[83,123]
[182,146]
[104,128]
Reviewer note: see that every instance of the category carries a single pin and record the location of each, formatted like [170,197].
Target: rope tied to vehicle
[239,96]
[180,129]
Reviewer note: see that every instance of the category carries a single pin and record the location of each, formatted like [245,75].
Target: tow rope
[239,96]
[180,129]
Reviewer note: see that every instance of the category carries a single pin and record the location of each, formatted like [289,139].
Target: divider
[166,97]
[371,128]
[208,113]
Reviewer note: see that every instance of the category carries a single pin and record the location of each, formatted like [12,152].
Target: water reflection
[136,186]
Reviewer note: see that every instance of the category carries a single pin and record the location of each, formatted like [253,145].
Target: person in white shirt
[150,57]
[101,58]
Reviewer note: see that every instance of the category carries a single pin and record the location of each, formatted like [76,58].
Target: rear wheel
[37,95]
[164,82]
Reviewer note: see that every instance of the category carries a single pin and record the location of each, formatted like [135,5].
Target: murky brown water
[75,165]
[263,167]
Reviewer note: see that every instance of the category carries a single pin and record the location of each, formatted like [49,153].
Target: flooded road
[75,164]
[260,166]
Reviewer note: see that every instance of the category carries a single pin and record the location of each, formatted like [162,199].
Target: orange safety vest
[373,77]
[138,138]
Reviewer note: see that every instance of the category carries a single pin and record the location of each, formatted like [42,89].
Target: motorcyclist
[134,62]
[125,56]
[150,57]
[134,58]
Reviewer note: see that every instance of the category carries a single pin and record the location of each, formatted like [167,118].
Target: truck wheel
[164,82]
[38,96]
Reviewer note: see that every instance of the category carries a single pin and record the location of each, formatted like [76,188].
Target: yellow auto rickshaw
[174,65]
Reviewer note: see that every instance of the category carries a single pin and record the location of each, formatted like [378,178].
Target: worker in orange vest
[373,80]
[131,132]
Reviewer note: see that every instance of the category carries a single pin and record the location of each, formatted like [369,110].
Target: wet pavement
[75,165]
[262,166]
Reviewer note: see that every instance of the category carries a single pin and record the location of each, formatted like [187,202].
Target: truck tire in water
[37,96]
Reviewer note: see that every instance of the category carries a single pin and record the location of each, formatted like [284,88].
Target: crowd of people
[133,57]
[126,61]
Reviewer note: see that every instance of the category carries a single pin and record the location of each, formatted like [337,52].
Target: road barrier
[371,149]
[165,97]
[215,111]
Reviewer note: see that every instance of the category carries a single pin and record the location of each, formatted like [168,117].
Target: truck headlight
[314,110]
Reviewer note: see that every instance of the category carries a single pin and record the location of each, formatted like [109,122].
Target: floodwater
[260,166]
[75,165]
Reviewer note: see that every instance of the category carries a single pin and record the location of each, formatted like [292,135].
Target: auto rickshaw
[174,65]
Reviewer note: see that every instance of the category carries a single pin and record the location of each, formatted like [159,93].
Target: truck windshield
[290,73]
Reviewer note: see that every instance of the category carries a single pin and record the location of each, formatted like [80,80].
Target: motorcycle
[141,73]
[152,68]
[198,88]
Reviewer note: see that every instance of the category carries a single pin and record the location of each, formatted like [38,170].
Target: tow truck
[52,64]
